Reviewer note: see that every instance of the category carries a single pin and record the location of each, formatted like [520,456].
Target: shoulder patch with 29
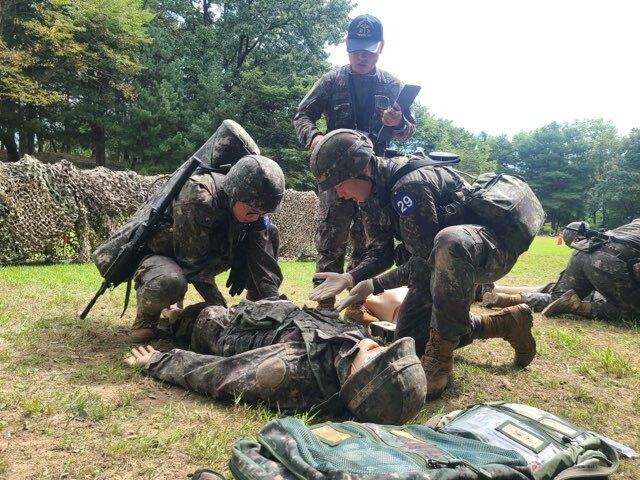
[404,202]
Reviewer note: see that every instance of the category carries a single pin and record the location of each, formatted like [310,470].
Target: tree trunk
[98,144]
[31,141]
[9,142]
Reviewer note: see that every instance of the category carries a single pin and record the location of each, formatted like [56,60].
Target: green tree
[551,159]
[79,56]
[438,134]
[620,187]
[252,61]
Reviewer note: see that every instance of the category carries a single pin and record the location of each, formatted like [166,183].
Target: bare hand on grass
[140,356]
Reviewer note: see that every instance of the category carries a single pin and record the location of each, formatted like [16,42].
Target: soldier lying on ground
[291,359]
[451,250]
[215,223]
[601,279]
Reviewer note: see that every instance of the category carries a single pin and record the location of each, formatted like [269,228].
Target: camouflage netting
[56,211]
[296,220]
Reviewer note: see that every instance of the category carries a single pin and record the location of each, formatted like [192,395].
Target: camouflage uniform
[450,251]
[600,272]
[196,243]
[360,107]
[272,352]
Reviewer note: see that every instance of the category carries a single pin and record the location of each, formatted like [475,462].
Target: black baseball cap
[364,33]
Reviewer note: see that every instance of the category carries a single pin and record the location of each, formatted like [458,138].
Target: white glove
[357,294]
[333,284]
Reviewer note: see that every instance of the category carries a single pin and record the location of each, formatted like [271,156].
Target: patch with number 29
[404,203]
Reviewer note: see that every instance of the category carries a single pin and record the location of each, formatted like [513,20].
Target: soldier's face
[354,189]
[363,61]
[367,351]
[245,213]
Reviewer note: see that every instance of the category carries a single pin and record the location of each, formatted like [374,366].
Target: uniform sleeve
[379,233]
[415,206]
[193,214]
[264,271]
[408,125]
[271,374]
[311,109]
[407,130]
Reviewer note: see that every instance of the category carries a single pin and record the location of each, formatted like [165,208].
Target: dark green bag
[288,449]
[508,205]
[553,447]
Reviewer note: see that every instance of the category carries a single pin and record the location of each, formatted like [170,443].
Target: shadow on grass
[501,369]
[85,351]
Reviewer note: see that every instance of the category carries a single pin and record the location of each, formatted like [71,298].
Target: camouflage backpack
[553,447]
[508,205]
[287,449]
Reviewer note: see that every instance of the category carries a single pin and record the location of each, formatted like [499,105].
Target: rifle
[405,99]
[130,254]
[586,232]
[229,143]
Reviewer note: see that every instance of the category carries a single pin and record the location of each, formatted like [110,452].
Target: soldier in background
[449,253]
[362,97]
[215,223]
[601,279]
[290,359]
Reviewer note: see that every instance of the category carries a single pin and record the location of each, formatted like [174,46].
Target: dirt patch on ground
[69,409]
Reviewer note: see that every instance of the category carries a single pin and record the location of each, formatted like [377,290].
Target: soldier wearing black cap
[362,97]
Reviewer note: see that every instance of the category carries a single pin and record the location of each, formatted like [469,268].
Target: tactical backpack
[508,205]
[288,449]
[500,201]
[553,447]
[120,255]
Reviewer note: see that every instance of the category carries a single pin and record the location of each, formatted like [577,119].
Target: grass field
[69,409]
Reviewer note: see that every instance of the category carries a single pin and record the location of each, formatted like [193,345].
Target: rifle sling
[127,296]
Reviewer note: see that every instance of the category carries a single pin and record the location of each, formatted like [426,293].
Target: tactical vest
[553,447]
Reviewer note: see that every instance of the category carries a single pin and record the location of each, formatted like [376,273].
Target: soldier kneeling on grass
[291,359]
[216,222]
[601,279]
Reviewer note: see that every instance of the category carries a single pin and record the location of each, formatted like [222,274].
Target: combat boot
[437,363]
[327,303]
[144,328]
[568,302]
[359,314]
[501,300]
[514,325]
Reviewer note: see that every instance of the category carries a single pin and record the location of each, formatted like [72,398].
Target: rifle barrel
[101,290]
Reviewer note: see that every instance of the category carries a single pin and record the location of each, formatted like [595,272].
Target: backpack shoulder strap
[416,161]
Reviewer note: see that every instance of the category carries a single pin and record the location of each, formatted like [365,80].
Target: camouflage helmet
[340,155]
[257,181]
[390,389]
[570,232]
